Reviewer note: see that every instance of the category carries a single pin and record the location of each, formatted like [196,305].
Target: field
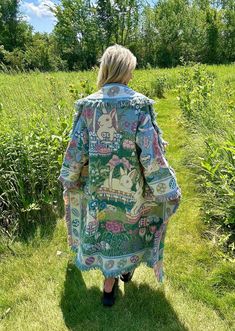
[41,289]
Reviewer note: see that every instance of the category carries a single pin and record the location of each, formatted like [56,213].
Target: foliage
[29,167]
[196,89]
[212,119]
[30,162]
[158,86]
[159,34]
[14,31]
[40,54]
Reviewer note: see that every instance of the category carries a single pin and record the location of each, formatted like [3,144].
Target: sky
[36,12]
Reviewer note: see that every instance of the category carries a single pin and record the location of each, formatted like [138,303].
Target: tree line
[160,33]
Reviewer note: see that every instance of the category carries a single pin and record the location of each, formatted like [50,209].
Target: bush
[212,118]
[30,165]
[158,86]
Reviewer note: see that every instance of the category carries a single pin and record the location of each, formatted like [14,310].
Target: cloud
[39,9]
[26,18]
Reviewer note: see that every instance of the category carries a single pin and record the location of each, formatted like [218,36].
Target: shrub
[212,118]
[30,165]
[31,159]
[158,86]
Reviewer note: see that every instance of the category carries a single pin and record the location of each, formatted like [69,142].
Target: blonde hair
[115,64]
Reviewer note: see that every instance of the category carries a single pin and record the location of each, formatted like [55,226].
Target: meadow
[41,288]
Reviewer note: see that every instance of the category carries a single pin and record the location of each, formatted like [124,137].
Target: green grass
[41,290]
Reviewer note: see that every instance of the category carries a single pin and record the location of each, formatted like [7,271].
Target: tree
[14,31]
[158,33]
[76,33]
[227,36]
[105,23]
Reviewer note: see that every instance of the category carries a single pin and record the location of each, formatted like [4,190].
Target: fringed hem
[160,277]
[67,184]
[169,196]
[159,131]
[137,102]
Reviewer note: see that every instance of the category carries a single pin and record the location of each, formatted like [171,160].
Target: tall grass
[208,105]
[36,111]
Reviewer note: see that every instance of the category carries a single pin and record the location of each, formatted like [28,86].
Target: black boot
[127,277]
[108,298]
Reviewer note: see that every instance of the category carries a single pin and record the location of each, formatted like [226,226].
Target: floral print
[114,227]
[161,187]
[128,144]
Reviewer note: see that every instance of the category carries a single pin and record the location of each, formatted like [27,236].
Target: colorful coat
[117,182]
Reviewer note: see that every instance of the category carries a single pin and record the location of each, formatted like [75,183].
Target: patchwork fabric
[118,184]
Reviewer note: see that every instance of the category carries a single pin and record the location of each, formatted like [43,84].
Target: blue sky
[36,12]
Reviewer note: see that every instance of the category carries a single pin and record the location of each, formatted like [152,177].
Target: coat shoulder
[126,98]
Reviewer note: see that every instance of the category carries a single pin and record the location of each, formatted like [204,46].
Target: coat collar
[112,91]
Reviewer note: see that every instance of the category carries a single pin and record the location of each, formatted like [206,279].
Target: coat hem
[118,273]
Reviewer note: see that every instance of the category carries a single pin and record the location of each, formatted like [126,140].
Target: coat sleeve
[76,154]
[159,175]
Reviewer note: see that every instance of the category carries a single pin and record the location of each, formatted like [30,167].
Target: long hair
[115,64]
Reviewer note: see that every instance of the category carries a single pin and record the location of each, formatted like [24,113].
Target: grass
[41,289]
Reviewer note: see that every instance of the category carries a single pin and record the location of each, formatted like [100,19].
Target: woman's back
[111,117]
[119,189]
[128,183]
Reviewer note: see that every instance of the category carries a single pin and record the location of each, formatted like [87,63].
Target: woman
[119,190]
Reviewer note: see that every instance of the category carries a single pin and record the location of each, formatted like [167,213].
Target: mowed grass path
[43,290]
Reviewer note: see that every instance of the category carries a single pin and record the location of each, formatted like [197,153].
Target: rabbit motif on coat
[124,183]
[105,122]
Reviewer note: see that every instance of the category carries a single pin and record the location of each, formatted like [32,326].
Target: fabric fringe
[153,116]
[83,267]
[68,184]
[169,196]
[137,102]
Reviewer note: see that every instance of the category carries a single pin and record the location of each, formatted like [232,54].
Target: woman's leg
[108,284]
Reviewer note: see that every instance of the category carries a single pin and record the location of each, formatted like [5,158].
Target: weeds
[212,118]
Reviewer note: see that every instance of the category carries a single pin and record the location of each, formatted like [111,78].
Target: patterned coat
[117,182]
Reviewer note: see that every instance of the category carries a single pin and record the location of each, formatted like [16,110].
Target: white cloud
[26,18]
[40,9]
